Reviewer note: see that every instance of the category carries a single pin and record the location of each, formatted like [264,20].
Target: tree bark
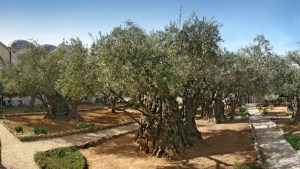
[73,114]
[191,131]
[233,103]
[297,114]
[161,132]
[219,110]
[57,107]
[191,102]
[31,103]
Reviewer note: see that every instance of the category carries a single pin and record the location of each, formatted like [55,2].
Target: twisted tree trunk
[161,132]
[297,114]
[57,107]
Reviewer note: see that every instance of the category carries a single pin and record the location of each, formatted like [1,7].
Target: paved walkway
[19,155]
[276,151]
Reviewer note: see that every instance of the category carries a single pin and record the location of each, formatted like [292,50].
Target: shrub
[294,140]
[85,126]
[243,109]
[40,130]
[19,129]
[68,158]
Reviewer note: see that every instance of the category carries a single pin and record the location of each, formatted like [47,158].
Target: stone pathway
[275,150]
[19,155]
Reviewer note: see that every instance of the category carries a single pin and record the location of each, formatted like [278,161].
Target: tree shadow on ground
[218,142]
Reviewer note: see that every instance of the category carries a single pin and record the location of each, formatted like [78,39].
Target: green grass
[249,166]
[294,140]
[67,158]
[288,113]
[85,126]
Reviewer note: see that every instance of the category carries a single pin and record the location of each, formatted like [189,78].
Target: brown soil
[221,147]
[100,117]
[288,126]
[277,111]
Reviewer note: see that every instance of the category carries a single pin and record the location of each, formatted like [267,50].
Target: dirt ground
[277,111]
[91,113]
[222,146]
[288,126]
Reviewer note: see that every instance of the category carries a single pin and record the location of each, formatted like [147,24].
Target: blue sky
[52,21]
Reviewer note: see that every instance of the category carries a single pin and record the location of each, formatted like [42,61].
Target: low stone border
[261,157]
[22,114]
[101,140]
[61,134]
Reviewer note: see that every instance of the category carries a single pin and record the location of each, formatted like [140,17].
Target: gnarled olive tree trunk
[57,107]
[162,131]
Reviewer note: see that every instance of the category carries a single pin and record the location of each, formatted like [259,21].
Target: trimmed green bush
[85,126]
[40,130]
[294,140]
[19,129]
[67,158]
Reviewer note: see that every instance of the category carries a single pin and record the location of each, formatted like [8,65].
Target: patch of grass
[289,113]
[67,158]
[4,121]
[294,140]
[85,126]
[27,134]
[249,166]
[40,130]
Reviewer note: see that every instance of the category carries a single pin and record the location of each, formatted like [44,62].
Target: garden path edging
[274,149]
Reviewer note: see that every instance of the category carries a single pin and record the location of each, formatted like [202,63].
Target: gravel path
[275,150]
[19,155]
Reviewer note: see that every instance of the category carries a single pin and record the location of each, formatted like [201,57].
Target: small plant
[243,109]
[263,109]
[19,129]
[85,126]
[289,113]
[60,158]
[294,140]
[40,130]
[1,109]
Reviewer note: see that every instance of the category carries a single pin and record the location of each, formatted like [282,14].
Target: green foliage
[294,140]
[40,130]
[67,158]
[243,109]
[289,113]
[85,126]
[19,129]
[249,166]
[1,109]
